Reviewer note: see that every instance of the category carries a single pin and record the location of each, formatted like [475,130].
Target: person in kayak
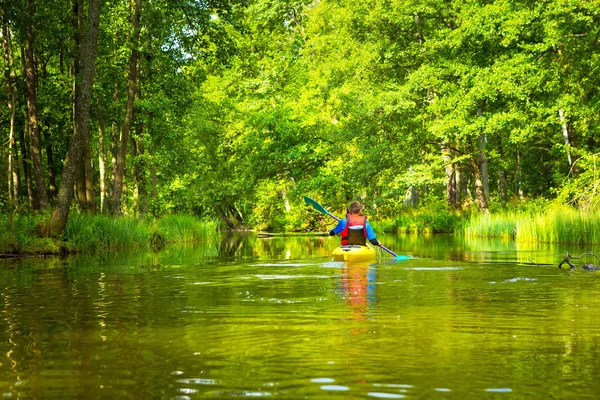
[358,230]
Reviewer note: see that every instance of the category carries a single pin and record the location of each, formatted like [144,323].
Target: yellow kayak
[353,253]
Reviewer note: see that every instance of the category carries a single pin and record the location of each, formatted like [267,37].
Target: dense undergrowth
[99,233]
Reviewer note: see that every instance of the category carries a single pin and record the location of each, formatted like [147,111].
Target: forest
[234,110]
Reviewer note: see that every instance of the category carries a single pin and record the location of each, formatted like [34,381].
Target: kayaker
[358,231]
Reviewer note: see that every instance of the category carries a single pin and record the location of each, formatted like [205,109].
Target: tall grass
[21,234]
[102,233]
[99,233]
[186,229]
[556,225]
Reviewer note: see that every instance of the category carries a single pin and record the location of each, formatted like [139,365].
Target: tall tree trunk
[51,170]
[25,149]
[140,192]
[77,23]
[503,187]
[483,162]
[154,185]
[101,156]
[34,127]
[87,56]
[502,177]
[117,184]
[452,179]
[567,137]
[519,177]
[26,160]
[141,189]
[49,154]
[87,163]
[89,175]
[10,79]
[479,191]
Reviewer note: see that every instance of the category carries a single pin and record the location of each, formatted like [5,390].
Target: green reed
[22,234]
[27,234]
[99,232]
[555,225]
[187,229]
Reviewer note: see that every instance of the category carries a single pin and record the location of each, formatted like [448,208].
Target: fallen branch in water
[589,267]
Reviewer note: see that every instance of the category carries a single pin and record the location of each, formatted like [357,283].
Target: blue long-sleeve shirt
[342,224]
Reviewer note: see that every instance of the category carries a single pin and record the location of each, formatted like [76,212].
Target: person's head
[355,208]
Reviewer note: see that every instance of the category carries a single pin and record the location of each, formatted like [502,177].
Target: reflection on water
[276,317]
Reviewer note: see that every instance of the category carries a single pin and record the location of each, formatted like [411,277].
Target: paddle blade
[316,205]
[401,258]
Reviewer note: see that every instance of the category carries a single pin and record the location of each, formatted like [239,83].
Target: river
[275,317]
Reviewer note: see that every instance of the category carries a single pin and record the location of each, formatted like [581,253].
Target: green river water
[275,317]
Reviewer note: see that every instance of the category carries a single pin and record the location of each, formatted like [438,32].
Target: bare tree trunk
[51,171]
[502,178]
[139,173]
[154,183]
[503,187]
[483,162]
[519,187]
[10,78]
[77,23]
[567,137]
[479,191]
[452,187]
[34,128]
[140,192]
[25,150]
[87,162]
[26,159]
[117,185]
[89,175]
[101,157]
[49,153]
[87,56]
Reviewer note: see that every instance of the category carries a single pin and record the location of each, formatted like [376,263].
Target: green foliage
[421,220]
[23,234]
[246,106]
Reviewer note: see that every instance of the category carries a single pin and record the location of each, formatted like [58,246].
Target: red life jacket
[355,236]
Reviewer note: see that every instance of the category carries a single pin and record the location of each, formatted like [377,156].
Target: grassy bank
[98,233]
[25,234]
[555,225]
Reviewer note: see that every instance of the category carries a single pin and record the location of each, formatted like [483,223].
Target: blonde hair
[355,208]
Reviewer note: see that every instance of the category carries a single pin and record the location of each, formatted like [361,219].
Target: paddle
[319,208]
[322,210]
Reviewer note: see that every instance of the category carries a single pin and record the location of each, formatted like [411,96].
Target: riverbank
[27,234]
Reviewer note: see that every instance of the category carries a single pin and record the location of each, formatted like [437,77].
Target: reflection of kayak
[353,253]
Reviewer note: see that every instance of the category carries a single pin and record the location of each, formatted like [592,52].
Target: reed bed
[21,233]
[25,234]
[555,225]
[187,229]
[100,232]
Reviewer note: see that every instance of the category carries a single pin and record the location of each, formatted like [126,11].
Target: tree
[87,57]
